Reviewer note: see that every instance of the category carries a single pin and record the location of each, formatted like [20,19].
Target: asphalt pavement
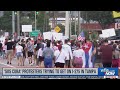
[14,64]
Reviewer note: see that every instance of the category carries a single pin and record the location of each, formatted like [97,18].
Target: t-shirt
[68,51]
[80,53]
[19,48]
[30,47]
[48,53]
[106,53]
[9,45]
[60,56]
[40,53]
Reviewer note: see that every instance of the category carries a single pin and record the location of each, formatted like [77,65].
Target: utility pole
[79,24]
[35,21]
[44,21]
[70,32]
[13,21]
[67,24]
[18,22]
[75,22]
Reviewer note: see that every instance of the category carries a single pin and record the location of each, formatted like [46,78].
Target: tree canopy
[104,18]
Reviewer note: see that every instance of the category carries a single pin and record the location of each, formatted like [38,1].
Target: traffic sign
[57,29]
[34,33]
[116,14]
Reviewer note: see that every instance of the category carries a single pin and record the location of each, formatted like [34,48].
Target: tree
[41,18]
[104,18]
[6,21]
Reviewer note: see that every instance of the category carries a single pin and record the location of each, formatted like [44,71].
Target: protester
[97,61]
[78,57]
[106,54]
[40,58]
[60,57]
[67,49]
[115,56]
[87,47]
[19,54]
[48,55]
[30,48]
[9,51]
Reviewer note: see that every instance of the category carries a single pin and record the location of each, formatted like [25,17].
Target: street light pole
[18,22]
[35,21]
[79,24]
[13,21]
[75,22]
[70,32]
[67,24]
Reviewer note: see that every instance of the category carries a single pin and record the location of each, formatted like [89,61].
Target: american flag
[81,36]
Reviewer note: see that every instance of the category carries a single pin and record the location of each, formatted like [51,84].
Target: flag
[88,49]
[81,36]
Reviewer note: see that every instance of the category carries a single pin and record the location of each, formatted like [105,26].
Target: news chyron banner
[55,73]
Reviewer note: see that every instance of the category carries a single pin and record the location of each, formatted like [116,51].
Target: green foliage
[26,18]
[6,21]
[103,17]
[43,19]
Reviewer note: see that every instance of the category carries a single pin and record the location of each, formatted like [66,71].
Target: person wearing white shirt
[19,53]
[68,51]
[60,56]
[78,57]
[40,58]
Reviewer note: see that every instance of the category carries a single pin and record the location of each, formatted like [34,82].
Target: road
[3,64]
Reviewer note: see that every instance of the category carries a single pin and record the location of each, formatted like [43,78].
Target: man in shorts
[9,45]
[30,48]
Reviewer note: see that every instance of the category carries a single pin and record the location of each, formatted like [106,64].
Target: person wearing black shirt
[10,45]
[0,48]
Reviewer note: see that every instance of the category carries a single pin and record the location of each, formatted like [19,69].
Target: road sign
[57,29]
[116,14]
[34,33]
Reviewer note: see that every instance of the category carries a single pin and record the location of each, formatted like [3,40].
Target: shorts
[41,58]
[67,63]
[59,65]
[48,62]
[30,54]
[9,53]
[19,54]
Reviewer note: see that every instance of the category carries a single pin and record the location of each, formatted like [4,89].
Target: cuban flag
[88,49]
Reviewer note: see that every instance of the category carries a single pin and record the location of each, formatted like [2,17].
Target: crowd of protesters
[58,54]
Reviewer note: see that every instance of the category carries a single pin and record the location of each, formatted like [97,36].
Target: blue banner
[107,71]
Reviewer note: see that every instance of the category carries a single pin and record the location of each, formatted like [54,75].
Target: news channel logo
[107,71]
